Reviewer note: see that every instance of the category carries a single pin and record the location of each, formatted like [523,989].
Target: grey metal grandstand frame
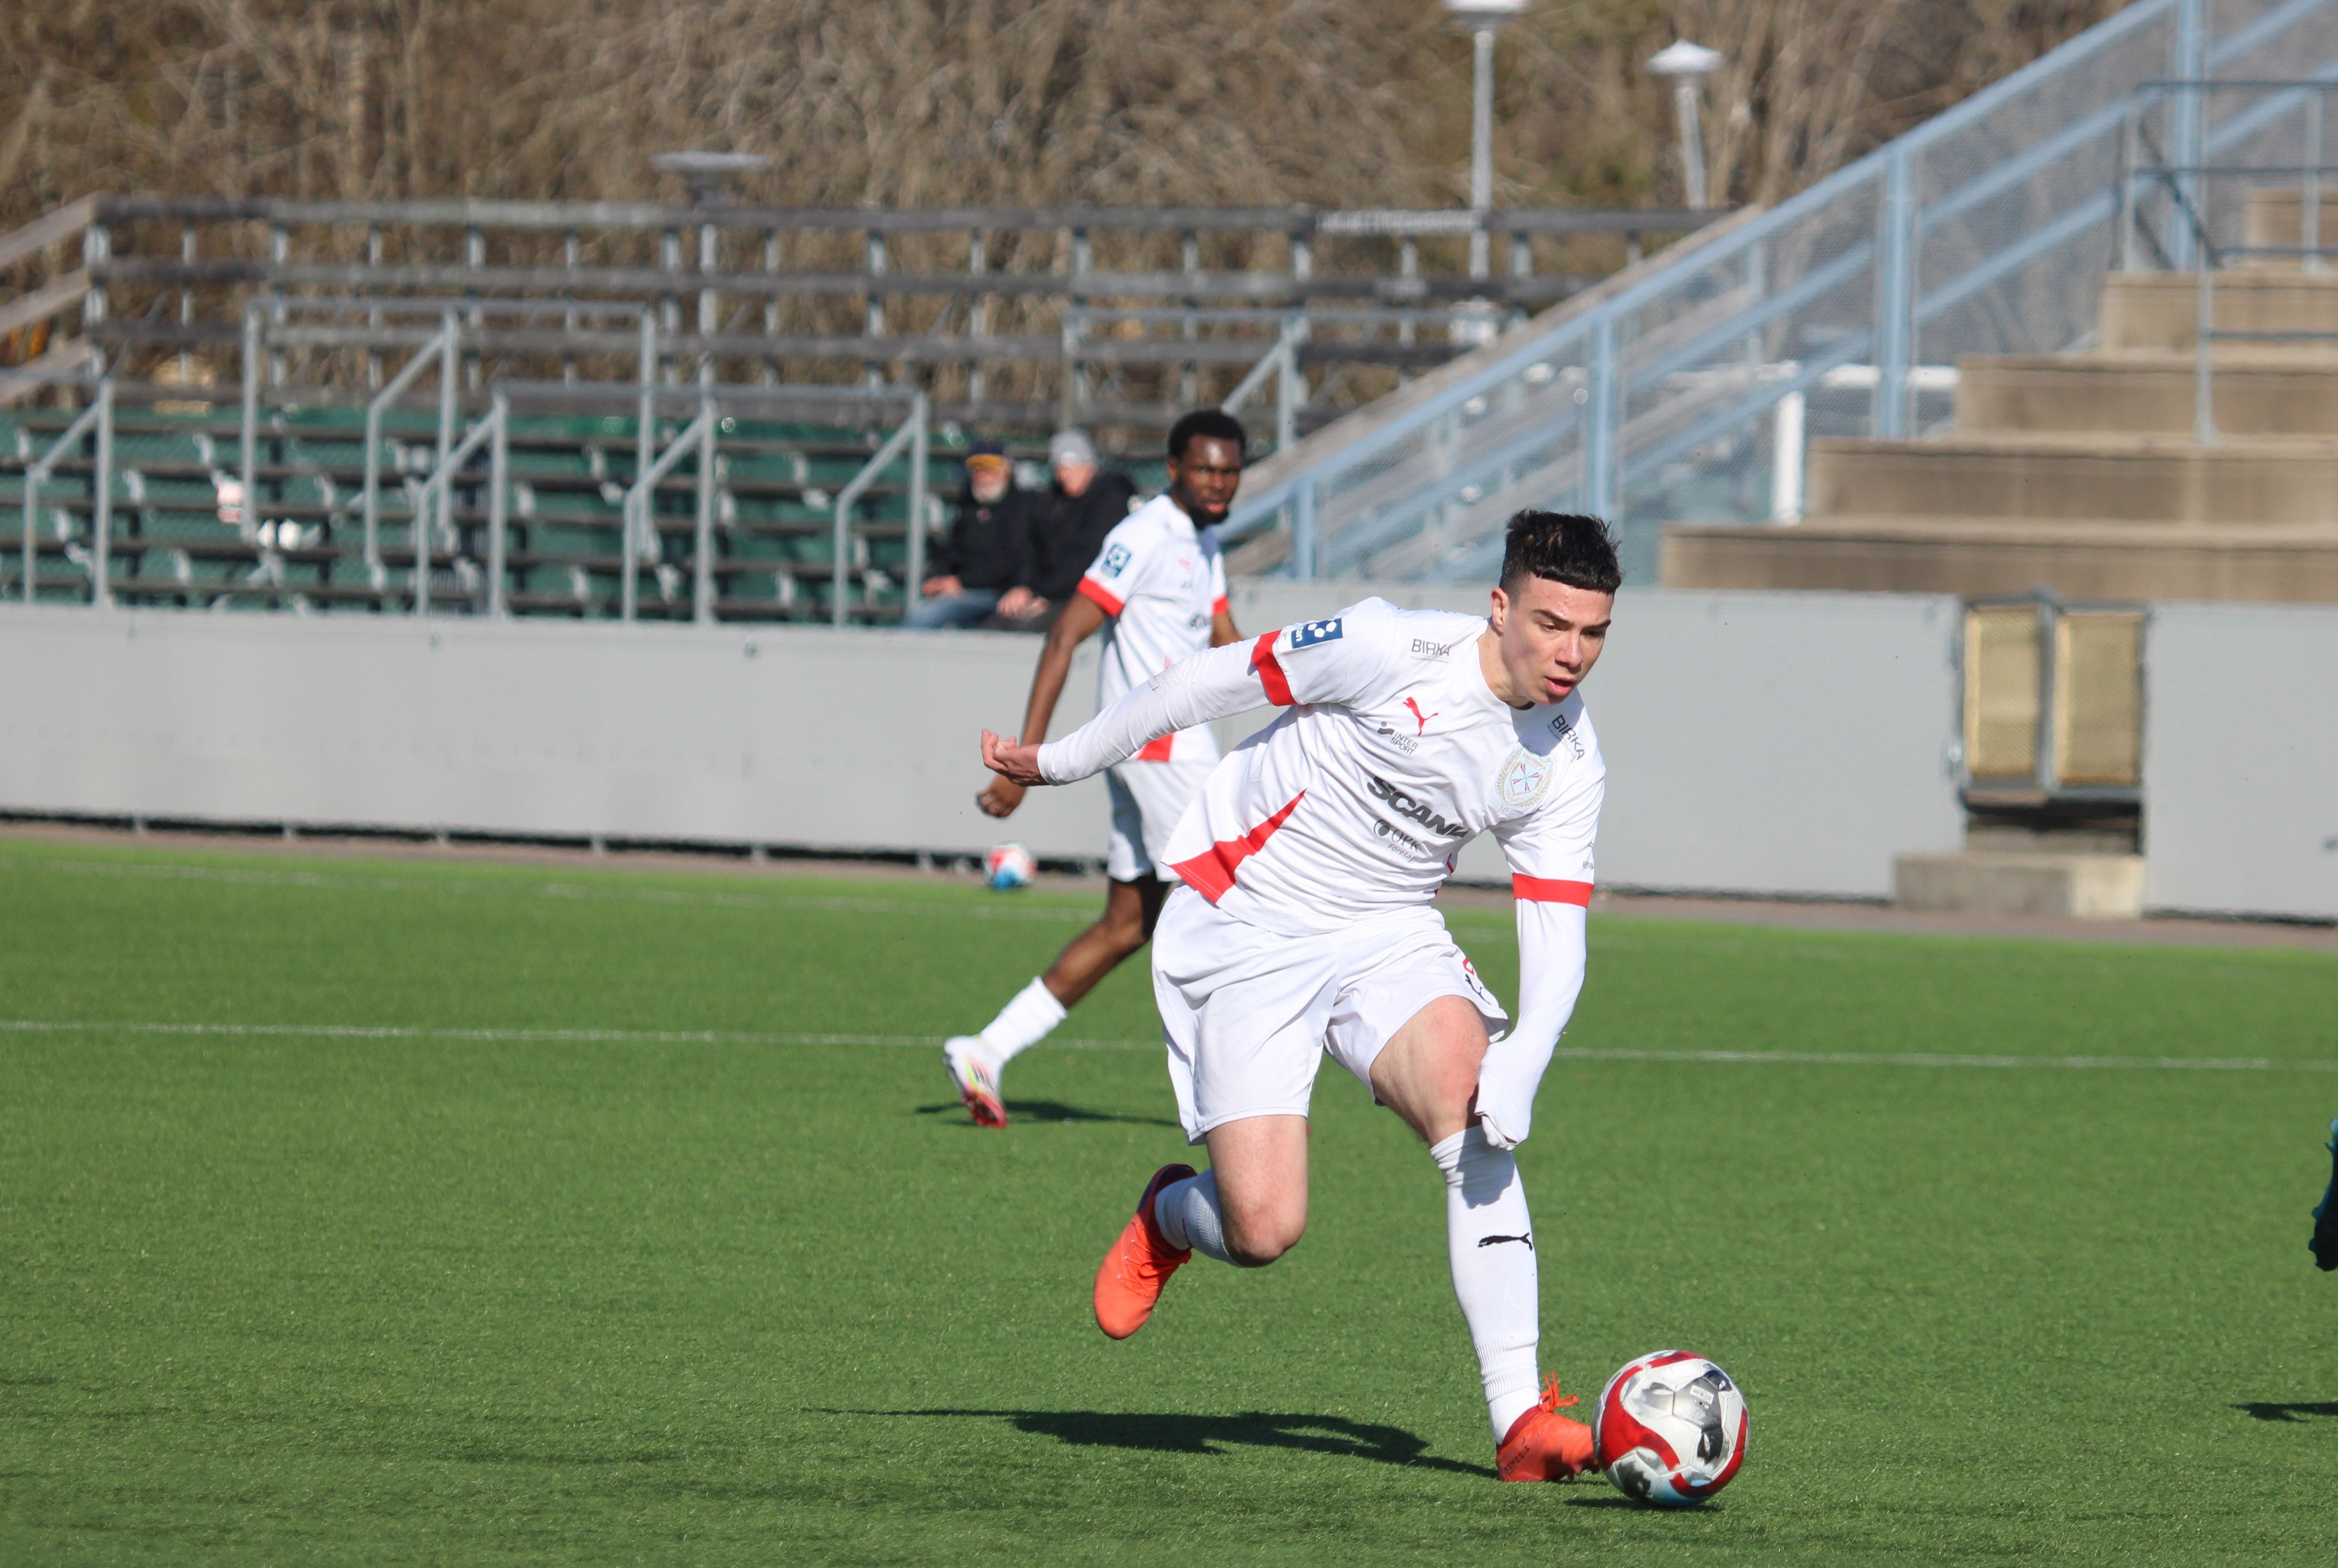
[1094,291]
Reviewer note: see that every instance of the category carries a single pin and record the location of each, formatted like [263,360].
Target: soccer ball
[1670,1428]
[1008,866]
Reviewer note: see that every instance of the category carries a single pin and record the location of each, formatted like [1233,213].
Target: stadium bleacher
[177,537]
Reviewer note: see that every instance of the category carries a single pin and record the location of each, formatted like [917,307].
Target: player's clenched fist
[1016,764]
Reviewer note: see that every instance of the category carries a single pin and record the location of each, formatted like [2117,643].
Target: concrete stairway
[2079,473]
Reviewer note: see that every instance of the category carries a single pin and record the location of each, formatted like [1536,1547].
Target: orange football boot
[1542,1445]
[1129,1279]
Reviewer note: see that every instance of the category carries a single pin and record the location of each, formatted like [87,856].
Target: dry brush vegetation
[930,103]
[907,102]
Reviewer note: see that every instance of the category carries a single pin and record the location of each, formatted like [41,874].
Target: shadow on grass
[2267,1410]
[1178,1434]
[1053,1110]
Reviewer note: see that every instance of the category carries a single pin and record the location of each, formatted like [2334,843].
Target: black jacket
[989,546]
[1070,532]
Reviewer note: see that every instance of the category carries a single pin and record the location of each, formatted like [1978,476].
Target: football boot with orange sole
[1130,1279]
[1542,1445]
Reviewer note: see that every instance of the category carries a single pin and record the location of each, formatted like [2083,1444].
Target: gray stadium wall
[2240,760]
[1756,743]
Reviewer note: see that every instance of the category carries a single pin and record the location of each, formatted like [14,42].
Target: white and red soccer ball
[1670,1428]
[1008,866]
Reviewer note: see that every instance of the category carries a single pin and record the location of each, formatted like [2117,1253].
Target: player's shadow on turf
[1164,1433]
[1055,1111]
[2267,1410]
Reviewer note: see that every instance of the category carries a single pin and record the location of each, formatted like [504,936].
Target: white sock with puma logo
[1490,1240]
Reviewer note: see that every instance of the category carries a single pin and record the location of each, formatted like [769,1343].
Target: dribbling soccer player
[1158,586]
[1305,925]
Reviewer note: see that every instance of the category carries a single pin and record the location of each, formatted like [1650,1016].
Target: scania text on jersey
[1404,805]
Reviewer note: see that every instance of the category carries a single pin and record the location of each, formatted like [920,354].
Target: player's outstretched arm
[1551,957]
[1217,684]
[1078,622]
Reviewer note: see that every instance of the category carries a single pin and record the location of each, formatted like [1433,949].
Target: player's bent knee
[1261,1240]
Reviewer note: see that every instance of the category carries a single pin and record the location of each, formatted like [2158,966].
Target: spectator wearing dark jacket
[1078,511]
[988,551]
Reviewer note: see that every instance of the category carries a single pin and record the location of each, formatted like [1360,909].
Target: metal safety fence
[1687,391]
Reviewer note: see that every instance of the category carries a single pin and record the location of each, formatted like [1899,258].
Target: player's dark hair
[1564,546]
[1213,423]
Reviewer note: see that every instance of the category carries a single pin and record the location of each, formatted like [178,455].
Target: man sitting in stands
[986,553]
[1084,505]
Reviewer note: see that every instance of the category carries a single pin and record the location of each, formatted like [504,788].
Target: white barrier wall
[801,736]
[1755,742]
[2240,760]
[1764,743]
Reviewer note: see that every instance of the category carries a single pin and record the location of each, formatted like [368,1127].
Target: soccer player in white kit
[1158,586]
[1305,926]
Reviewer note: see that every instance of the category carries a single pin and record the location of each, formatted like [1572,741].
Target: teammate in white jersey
[1158,588]
[1305,926]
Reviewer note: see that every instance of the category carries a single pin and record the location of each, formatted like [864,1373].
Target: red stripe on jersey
[1270,673]
[1221,605]
[1155,751]
[1550,890]
[1091,589]
[1211,873]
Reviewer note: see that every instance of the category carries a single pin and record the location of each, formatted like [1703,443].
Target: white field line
[509,1036]
[775,1037]
[813,903]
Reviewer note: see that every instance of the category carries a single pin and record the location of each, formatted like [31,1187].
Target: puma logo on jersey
[1419,717]
[1404,805]
[1490,1240]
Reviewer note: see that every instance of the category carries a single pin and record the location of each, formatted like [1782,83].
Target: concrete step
[2159,310]
[2102,560]
[2073,886]
[2275,392]
[2067,477]
[2277,217]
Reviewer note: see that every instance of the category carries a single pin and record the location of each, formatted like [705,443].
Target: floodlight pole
[1688,65]
[1483,19]
[1481,150]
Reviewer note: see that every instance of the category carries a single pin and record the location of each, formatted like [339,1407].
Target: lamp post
[1482,19]
[1688,65]
[709,175]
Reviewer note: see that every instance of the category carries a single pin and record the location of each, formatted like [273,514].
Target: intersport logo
[1404,805]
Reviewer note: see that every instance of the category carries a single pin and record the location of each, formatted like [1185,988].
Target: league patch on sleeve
[1308,634]
[1116,561]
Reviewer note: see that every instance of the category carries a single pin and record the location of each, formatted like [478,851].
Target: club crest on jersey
[1116,560]
[1524,778]
[1308,634]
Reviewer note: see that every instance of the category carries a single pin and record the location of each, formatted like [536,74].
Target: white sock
[1491,1242]
[1187,1214]
[1023,1022]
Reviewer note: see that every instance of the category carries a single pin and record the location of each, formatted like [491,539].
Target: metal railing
[1652,398]
[1131,312]
[2270,142]
[911,435]
[257,529]
[96,420]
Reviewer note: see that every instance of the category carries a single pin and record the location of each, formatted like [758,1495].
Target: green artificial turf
[469,1289]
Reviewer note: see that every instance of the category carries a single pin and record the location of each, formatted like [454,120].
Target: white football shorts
[1147,798]
[1249,1014]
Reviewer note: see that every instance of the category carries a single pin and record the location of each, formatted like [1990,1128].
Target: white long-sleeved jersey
[1393,754]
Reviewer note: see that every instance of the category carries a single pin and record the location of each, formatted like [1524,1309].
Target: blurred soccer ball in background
[1670,1428]
[1008,866]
